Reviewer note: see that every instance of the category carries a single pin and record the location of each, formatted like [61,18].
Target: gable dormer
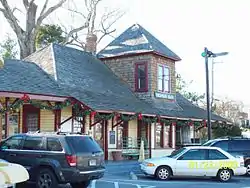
[143,62]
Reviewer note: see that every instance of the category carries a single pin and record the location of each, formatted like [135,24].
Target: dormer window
[163,82]
[141,77]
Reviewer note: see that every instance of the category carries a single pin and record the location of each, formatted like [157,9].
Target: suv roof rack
[233,137]
[55,133]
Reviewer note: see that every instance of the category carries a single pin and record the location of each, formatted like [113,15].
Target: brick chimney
[91,43]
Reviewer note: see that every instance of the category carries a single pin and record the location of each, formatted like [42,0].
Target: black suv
[56,158]
[235,146]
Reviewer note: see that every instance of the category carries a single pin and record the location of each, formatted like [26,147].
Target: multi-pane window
[163,81]
[141,77]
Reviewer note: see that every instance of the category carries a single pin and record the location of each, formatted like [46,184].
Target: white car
[199,161]
[11,174]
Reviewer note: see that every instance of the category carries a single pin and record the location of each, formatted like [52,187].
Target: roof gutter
[153,115]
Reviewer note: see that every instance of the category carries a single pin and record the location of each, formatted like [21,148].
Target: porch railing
[131,147]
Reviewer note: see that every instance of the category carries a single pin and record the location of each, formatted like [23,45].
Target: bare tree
[26,36]
[229,109]
[104,28]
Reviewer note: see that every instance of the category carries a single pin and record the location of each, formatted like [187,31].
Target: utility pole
[208,95]
[207,54]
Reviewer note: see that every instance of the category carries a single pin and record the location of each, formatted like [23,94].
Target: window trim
[136,76]
[226,157]
[169,78]
[181,157]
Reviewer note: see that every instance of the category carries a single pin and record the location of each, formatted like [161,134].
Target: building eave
[136,54]
[47,97]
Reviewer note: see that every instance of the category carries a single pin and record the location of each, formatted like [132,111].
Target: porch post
[7,122]
[173,135]
[1,127]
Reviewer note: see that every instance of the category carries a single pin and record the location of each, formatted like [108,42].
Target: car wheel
[46,179]
[84,184]
[163,173]
[248,168]
[224,175]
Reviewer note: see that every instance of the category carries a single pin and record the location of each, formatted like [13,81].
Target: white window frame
[163,77]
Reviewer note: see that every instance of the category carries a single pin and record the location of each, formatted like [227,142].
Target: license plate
[92,163]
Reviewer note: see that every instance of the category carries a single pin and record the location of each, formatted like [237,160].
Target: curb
[132,176]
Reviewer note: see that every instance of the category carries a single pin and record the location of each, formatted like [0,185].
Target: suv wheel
[84,184]
[46,179]
[248,168]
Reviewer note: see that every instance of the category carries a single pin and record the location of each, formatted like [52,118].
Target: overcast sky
[186,27]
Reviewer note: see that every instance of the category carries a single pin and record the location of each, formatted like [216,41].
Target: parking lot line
[116,184]
[92,185]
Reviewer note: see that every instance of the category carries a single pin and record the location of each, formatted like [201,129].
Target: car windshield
[208,143]
[177,153]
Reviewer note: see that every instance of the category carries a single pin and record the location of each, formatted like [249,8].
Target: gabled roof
[27,77]
[136,40]
[81,75]
[89,80]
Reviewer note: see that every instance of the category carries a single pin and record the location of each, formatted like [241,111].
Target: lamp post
[208,54]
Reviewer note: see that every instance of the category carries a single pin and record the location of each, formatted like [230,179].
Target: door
[189,164]
[142,133]
[32,151]
[10,149]
[215,159]
[31,118]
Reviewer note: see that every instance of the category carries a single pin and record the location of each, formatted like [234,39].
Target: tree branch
[26,4]
[86,25]
[44,7]
[49,11]
[8,14]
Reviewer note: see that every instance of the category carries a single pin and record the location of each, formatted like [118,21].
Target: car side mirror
[180,158]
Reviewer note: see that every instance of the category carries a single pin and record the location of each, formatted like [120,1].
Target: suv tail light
[71,159]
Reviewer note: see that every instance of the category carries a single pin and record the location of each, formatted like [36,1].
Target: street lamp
[208,54]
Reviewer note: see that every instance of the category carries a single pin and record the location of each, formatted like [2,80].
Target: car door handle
[12,154]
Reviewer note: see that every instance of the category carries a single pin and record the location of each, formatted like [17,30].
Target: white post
[142,152]
[173,136]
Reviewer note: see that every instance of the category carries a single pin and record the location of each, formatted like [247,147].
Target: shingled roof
[136,40]
[89,80]
[23,76]
[84,77]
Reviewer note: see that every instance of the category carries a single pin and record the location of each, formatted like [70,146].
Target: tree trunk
[27,46]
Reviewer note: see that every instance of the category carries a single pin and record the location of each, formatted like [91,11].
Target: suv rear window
[240,145]
[83,144]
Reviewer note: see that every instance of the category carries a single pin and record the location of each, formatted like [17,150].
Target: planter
[117,155]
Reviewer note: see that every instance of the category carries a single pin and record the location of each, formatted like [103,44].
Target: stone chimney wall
[91,43]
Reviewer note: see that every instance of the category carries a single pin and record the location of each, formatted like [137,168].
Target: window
[221,144]
[141,77]
[159,135]
[12,143]
[163,82]
[83,144]
[33,143]
[194,154]
[216,155]
[53,144]
[240,145]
